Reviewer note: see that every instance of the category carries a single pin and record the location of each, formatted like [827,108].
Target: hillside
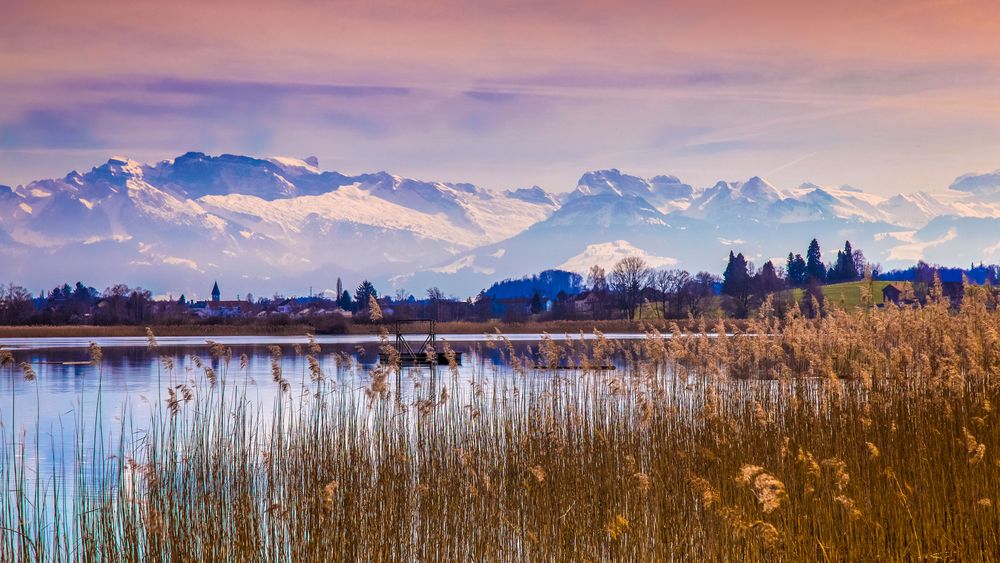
[847,293]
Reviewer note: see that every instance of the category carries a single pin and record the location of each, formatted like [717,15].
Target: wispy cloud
[514,93]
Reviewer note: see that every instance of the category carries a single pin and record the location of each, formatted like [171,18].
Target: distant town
[631,290]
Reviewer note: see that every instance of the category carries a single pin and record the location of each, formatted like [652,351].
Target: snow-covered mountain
[671,224]
[283,224]
[261,224]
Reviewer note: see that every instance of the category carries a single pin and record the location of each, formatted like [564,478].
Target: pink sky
[886,96]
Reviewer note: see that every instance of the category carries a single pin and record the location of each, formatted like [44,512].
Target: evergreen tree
[345,301]
[795,269]
[736,283]
[766,280]
[364,291]
[736,278]
[815,270]
[846,269]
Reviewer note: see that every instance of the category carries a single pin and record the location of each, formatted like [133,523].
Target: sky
[884,96]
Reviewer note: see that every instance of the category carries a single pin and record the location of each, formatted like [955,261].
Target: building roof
[898,286]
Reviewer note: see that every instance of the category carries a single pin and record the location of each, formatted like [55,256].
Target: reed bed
[849,437]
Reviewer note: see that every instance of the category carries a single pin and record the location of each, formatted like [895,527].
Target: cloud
[914,250]
[49,128]
[512,93]
[988,183]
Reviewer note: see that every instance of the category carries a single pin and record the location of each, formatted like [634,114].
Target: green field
[850,291]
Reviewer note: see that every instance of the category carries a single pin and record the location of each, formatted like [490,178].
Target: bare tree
[628,278]
[15,304]
[698,292]
[671,285]
[596,279]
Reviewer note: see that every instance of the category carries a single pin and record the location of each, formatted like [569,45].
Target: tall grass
[851,437]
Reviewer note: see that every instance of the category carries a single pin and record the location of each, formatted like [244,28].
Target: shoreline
[455,327]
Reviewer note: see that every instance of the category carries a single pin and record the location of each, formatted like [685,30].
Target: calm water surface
[45,421]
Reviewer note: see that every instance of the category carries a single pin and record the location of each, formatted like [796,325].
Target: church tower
[216,294]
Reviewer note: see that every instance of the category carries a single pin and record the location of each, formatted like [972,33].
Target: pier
[412,344]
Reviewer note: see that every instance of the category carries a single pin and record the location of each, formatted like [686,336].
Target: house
[585,302]
[898,293]
[219,308]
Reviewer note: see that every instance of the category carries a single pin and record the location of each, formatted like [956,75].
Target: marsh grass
[850,437]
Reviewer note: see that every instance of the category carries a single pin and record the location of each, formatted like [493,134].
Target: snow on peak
[121,166]
[310,164]
[534,194]
[610,181]
[758,190]
[606,254]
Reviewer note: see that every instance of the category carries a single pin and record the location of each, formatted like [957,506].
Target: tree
[663,281]
[736,284]
[15,304]
[628,278]
[795,270]
[115,299]
[673,284]
[365,290]
[483,306]
[844,268]
[435,296]
[345,301]
[860,263]
[138,306]
[814,263]
[596,279]
[766,281]
[697,293]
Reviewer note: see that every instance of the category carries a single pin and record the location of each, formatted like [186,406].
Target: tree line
[631,289]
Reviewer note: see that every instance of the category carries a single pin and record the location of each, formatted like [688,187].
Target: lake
[72,402]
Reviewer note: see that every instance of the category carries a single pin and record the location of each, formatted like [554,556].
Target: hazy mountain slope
[610,214]
[283,224]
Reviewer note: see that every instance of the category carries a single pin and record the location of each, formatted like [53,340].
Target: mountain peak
[310,164]
[534,194]
[660,190]
[117,170]
[758,190]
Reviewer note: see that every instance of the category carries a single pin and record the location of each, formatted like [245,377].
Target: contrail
[787,164]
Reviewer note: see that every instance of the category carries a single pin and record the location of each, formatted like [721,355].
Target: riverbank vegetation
[631,290]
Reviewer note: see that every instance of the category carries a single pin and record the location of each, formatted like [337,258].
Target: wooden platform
[410,355]
[421,359]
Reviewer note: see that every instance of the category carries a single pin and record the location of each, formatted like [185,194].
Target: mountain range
[282,224]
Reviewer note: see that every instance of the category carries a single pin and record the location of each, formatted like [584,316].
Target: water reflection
[73,405]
